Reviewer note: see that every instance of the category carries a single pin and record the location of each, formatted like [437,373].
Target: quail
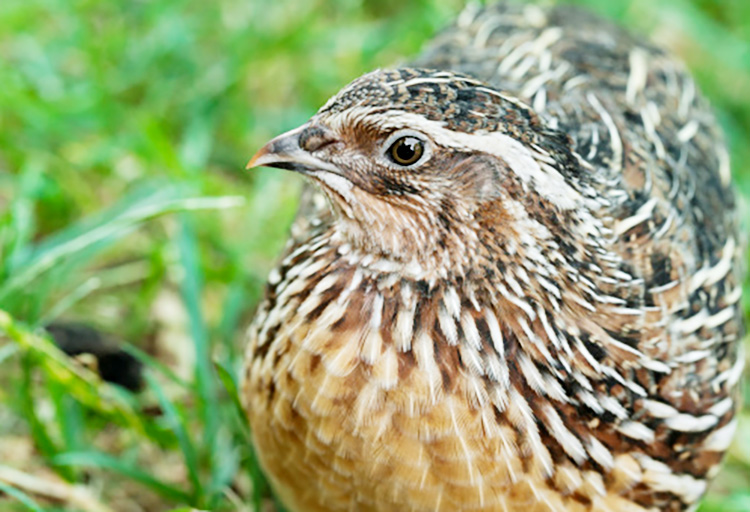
[521,291]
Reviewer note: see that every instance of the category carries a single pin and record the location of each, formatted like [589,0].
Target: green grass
[124,129]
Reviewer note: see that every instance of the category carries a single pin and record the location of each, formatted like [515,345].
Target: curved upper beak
[293,150]
[284,149]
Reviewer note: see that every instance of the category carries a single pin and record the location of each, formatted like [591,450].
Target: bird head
[423,165]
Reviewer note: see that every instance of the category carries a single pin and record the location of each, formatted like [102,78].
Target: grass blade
[177,425]
[87,287]
[106,233]
[155,365]
[104,461]
[39,433]
[7,351]
[192,287]
[81,383]
[230,385]
[260,486]
[21,497]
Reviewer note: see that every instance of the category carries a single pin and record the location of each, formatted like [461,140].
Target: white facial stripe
[336,182]
[422,80]
[545,181]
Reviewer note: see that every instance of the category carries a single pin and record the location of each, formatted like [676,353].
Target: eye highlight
[406,150]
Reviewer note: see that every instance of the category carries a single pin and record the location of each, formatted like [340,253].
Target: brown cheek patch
[364,138]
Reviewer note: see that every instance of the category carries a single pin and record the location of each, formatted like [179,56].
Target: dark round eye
[406,150]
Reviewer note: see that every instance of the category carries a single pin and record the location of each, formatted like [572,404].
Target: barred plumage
[541,311]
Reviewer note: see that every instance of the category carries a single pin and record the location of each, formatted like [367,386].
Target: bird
[513,284]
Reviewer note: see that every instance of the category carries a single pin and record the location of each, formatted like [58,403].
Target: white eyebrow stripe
[546,181]
[423,80]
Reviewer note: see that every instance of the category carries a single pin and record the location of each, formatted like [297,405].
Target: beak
[280,151]
[288,151]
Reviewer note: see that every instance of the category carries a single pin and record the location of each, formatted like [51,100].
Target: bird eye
[406,150]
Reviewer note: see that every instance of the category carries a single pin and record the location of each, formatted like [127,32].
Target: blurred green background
[124,129]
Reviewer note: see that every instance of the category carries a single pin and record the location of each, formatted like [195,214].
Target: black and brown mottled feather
[541,314]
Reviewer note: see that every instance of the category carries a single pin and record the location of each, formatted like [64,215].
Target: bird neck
[418,245]
[554,281]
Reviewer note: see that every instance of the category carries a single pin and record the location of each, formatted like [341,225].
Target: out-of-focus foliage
[124,128]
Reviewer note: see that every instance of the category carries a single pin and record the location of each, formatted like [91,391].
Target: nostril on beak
[314,138]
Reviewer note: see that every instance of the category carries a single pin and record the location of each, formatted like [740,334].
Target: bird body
[523,292]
